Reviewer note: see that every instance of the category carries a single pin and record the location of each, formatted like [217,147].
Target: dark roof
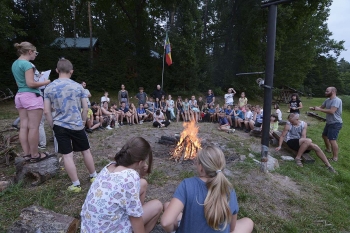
[80,43]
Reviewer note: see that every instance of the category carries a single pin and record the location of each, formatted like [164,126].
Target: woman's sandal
[298,162]
[38,159]
[332,160]
[27,158]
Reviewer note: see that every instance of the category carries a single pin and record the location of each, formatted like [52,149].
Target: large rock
[272,163]
[4,185]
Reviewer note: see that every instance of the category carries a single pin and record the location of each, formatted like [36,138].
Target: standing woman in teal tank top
[28,100]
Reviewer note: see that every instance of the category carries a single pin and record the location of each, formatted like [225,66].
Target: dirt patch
[270,192]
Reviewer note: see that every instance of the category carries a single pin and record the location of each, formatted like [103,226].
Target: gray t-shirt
[336,117]
[87,92]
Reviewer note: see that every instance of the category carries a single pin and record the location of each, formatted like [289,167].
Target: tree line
[211,41]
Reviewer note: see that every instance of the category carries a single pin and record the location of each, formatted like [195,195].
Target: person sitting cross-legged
[90,123]
[108,116]
[224,125]
[294,134]
[97,113]
[159,120]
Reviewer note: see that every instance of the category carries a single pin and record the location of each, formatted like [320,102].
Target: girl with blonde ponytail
[206,203]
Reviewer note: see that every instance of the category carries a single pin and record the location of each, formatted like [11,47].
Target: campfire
[188,144]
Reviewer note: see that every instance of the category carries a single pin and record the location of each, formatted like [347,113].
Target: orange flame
[189,143]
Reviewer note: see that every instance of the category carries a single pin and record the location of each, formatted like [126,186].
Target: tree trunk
[38,219]
[36,172]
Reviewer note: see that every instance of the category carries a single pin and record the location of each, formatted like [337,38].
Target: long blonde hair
[24,47]
[216,204]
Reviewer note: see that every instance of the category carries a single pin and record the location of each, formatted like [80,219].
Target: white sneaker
[231,131]
[109,127]
[141,122]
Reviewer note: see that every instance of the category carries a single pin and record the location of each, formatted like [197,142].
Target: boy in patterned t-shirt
[66,98]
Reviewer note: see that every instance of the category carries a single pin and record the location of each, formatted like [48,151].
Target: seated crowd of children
[162,111]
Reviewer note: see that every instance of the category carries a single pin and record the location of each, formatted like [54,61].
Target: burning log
[167,140]
[188,144]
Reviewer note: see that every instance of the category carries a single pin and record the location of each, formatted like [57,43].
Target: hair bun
[17,46]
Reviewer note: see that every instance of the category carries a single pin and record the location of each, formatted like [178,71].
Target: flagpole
[163,67]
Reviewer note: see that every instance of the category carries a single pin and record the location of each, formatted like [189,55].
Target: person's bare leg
[229,120]
[88,160]
[23,132]
[34,118]
[327,143]
[69,166]
[143,190]
[335,149]
[95,126]
[244,225]
[304,144]
[251,124]
[151,213]
[319,153]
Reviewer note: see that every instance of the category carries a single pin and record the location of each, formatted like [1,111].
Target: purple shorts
[29,101]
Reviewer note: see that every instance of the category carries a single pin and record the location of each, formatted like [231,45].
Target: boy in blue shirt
[211,111]
[229,113]
[69,102]
[224,125]
[238,117]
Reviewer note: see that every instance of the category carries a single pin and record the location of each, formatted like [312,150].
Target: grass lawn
[290,199]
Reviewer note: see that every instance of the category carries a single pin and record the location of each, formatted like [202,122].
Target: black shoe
[88,130]
[15,126]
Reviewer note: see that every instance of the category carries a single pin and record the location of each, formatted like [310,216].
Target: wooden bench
[305,157]
[315,115]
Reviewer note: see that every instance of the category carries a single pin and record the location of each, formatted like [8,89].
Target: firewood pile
[7,152]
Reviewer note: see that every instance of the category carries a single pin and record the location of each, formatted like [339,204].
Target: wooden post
[90,29]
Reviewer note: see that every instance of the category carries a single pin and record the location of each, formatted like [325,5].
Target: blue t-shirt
[210,98]
[211,110]
[192,193]
[141,111]
[240,114]
[66,97]
[125,110]
[223,121]
[228,111]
